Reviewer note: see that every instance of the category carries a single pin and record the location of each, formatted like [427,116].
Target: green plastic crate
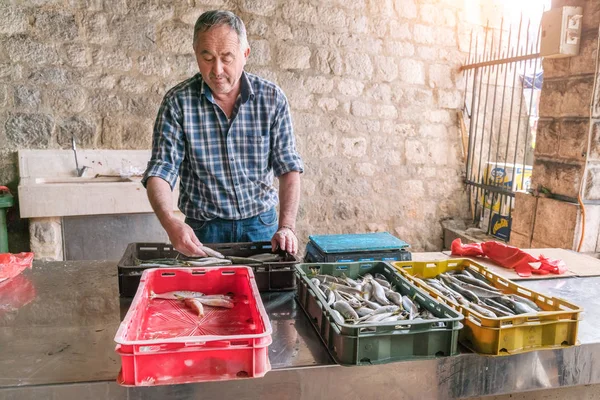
[380,343]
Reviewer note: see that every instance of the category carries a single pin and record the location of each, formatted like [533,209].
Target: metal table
[57,326]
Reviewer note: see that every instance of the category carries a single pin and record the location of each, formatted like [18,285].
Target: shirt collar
[246,89]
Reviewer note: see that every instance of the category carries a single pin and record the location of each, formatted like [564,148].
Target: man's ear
[247,53]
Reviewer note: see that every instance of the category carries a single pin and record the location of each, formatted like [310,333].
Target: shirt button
[232,159]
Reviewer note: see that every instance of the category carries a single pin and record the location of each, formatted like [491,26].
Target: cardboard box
[500,224]
[501,174]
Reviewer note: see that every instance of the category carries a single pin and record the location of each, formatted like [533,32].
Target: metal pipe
[524,57]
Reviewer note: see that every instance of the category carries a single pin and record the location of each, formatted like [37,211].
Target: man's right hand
[183,238]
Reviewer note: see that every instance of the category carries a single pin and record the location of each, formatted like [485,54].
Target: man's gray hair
[219,17]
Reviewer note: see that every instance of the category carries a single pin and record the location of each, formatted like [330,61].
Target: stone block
[13,20]
[399,49]
[358,66]
[27,98]
[23,49]
[260,52]
[326,103]
[427,52]
[573,139]
[406,8]
[176,37]
[328,62]
[111,133]
[556,67]
[400,30]
[385,68]
[361,109]
[76,55]
[440,76]
[547,139]
[591,15]
[46,238]
[354,147]
[103,81]
[282,30]
[555,223]
[412,71]
[358,24]
[450,98]
[83,127]
[293,57]
[300,12]
[350,87]
[566,98]
[95,26]
[154,64]
[318,84]
[66,101]
[55,25]
[143,106]
[137,134]
[265,8]
[134,33]
[54,76]
[106,103]
[4,97]
[366,169]
[524,213]
[559,177]
[190,15]
[132,84]
[10,72]
[520,241]
[29,130]
[585,62]
[387,111]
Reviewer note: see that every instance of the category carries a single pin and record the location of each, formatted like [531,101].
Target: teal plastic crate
[356,247]
[381,343]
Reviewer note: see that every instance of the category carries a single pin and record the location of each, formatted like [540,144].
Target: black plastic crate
[270,276]
[314,255]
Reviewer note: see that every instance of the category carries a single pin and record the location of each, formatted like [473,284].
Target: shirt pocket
[254,154]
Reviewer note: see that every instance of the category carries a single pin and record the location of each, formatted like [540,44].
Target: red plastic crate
[162,342]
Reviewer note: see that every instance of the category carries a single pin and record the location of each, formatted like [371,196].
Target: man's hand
[286,240]
[183,238]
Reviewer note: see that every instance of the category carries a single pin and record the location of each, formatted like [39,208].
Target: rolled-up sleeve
[167,144]
[284,155]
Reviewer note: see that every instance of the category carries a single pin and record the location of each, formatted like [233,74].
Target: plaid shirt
[226,166]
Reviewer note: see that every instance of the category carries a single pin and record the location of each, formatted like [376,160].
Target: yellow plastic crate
[556,326]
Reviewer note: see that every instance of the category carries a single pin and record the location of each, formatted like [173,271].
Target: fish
[474,281]
[371,304]
[363,311]
[523,300]
[367,288]
[345,289]
[208,261]
[378,293]
[351,282]
[176,295]
[217,296]
[195,305]
[499,306]
[464,292]
[384,283]
[409,306]
[344,308]
[497,311]
[211,253]
[216,302]
[394,297]
[476,274]
[479,291]
[481,310]
[336,315]
[438,285]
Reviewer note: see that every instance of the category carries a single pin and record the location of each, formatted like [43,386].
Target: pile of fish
[473,290]
[196,300]
[210,261]
[367,300]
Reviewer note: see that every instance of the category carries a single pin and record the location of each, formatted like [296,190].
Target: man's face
[220,59]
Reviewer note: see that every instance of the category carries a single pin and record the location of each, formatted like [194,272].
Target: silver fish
[378,293]
[410,307]
[383,283]
[481,310]
[474,281]
[344,308]
[211,253]
[337,316]
[394,297]
[367,288]
[195,305]
[363,311]
[523,300]
[177,295]
[224,303]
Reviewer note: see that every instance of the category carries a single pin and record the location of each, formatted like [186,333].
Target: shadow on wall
[18,228]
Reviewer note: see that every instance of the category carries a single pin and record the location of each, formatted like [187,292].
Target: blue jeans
[260,228]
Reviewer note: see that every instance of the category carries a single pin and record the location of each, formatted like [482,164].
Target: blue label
[363,266]
[350,260]
[390,258]
[341,267]
[366,259]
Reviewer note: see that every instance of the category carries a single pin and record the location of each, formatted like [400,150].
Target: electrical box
[561,32]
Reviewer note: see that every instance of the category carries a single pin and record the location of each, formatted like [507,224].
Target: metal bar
[491,188]
[501,61]
[530,104]
[470,148]
[487,91]
[512,100]
[468,72]
[485,192]
[521,101]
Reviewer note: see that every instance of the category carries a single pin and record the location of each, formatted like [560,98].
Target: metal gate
[503,80]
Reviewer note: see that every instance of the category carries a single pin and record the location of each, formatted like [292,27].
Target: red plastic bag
[510,257]
[12,265]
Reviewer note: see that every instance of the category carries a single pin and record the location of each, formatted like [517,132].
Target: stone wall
[373,86]
[562,143]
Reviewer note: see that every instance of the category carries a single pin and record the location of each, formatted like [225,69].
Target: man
[226,133]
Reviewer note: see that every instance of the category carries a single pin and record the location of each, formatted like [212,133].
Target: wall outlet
[561,32]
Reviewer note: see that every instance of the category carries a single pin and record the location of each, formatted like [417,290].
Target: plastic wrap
[12,265]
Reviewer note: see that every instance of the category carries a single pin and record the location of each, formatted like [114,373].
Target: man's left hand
[286,240]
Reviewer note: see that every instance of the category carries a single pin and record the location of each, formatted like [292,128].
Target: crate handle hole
[503,350]
[168,274]
[564,343]
[440,354]
[365,360]
[198,272]
[242,374]
[228,273]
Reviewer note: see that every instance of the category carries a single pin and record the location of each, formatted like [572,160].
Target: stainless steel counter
[58,323]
